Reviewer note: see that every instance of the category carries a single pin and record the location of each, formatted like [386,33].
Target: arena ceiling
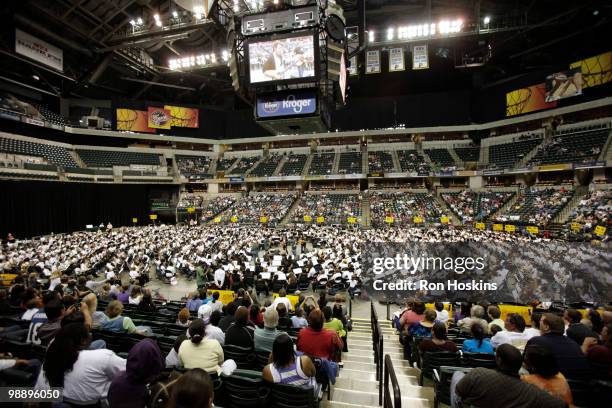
[102,60]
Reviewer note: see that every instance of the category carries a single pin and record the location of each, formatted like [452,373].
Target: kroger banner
[297,103]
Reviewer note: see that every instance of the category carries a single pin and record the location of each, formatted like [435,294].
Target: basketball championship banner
[133,120]
[158,118]
[420,58]
[595,70]
[39,50]
[373,62]
[352,69]
[183,117]
[396,60]
[529,99]
[564,84]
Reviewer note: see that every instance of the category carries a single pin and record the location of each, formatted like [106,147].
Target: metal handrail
[397,395]
[378,346]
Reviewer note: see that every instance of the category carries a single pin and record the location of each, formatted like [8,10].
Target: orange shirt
[556,386]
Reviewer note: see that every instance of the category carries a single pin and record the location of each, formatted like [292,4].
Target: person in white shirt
[534,330]
[282,298]
[85,375]
[219,277]
[514,333]
[441,314]
[212,332]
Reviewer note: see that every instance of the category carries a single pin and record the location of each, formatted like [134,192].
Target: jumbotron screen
[282,59]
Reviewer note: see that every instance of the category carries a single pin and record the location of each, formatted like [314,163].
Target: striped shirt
[291,375]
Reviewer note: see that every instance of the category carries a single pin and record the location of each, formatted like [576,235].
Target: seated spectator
[255,316]
[494,314]
[476,317]
[534,330]
[439,340]
[479,343]
[288,368]
[317,341]
[129,388]
[332,323]
[97,317]
[200,352]
[514,333]
[124,296]
[576,330]
[213,332]
[146,302]
[172,357]
[414,314]
[282,298]
[600,356]
[195,301]
[135,295]
[423,328]
[284,321]
[299,321]
[214,303]
[117,323]
[597,323]
[238,333]
[484,387]
[570,359]
[441,313]
[193,389]
[544,373]
[228,319]
[85,375]
[183,318]
[54,310]
[264,337]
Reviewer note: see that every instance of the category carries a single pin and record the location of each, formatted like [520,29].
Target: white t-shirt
[219,277]
[90,376]
[282,300]
[518,340]
[27,315]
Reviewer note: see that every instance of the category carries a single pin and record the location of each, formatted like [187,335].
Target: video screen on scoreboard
[282,59]
[563,84]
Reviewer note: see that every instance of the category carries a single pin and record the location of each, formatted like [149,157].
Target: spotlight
[487,20]
[35,77]
[371,36]
[390,33]
[174,14]
[139,21]
[133,22]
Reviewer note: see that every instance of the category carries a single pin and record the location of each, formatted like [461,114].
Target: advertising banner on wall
[396,60]
[373,62]
[529,99]
[296,103]
[183,117]
[595,70]
[563,85]
[420,59]
[133,120]
[158,118]
[38,50]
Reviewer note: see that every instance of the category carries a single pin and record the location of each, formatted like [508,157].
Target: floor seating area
[334,208]
[322,164]
[475,206]
[380,162]
[294,165]
[110,158]
[576,147]
[412,162]
[51,153]
[536,206]
[249,210]
[507,155]
[267,166]
[350,163]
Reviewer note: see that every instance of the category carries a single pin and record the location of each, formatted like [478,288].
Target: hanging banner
[417,220]
[596,70]
[498,227]
[39,50]
[263,219]
[307,218]
[600,230]
[528,99]
[320,220]
[480,225]
[133,120]
[352,69]
[217,220]
[444,220]
[396,60]
[352,220]
[575,227]
[158,118]
[420,59]
[509,228]
[183,117]
[373,62]
[389,220]
[533,230]
[234,218]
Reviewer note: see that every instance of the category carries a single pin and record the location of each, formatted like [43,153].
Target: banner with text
[295,103]
[373,62]
[38,50]
[396,60]
[420,58]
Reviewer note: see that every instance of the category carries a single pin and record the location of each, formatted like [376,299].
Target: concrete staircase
[356,385]
[365,212]
[280,165]
[484,155]
[523,162]
[307,165]
[254,166]
[289,215]
[75,156]
[455,157]
[566,211]
[365,165]
[233,166]
[449,213]
[506,206]
[606,152]
[336,165]
[213,167]
[397,167]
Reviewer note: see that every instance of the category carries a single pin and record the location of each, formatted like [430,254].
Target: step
[336,404]
[371,398]
[358,383]
[349,374]
[387,348]
[347,359]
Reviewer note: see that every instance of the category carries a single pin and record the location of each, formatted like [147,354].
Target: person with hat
[423,328]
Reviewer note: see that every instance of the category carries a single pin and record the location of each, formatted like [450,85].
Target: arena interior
[194,194]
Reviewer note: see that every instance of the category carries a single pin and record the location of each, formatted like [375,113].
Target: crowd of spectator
[249,210]
[403,207]
[190,201]
[592,210]
[472,206]
[334,208]
[216,206]
[193,165]
[536,206]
